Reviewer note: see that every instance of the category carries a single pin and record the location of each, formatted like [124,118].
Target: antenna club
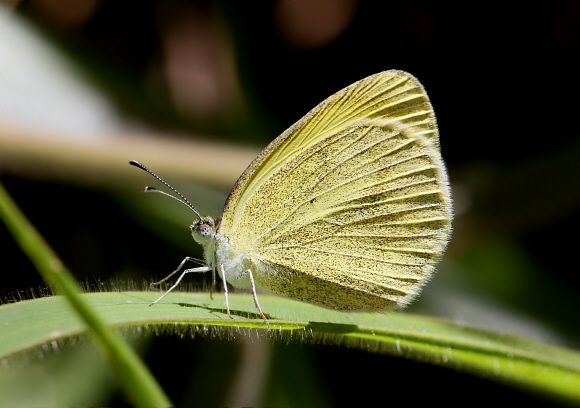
[136,164]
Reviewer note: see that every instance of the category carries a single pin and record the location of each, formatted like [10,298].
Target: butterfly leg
[249,272]
[225,290]
[200,269]
[212,287]
[187,258]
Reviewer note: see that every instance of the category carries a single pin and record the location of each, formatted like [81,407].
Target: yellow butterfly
[349,209]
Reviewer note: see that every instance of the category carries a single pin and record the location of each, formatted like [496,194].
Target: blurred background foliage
[195,89]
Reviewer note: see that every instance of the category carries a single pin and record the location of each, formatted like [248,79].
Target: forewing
[391,94]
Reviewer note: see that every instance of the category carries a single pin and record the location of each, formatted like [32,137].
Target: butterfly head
[203,230]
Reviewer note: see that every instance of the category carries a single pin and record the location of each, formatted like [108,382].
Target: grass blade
[136,379]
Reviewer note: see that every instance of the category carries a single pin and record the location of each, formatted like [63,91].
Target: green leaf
[540,367]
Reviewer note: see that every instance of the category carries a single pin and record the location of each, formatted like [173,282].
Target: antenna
[154,190]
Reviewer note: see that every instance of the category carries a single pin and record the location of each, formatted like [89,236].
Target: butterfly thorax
[235,263]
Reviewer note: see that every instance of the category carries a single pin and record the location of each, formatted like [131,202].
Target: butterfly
[349,209]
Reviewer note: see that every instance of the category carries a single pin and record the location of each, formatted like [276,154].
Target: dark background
[502,79]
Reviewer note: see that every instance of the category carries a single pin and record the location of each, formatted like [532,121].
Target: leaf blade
[525,363]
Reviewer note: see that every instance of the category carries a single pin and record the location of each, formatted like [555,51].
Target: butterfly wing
[350,207]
